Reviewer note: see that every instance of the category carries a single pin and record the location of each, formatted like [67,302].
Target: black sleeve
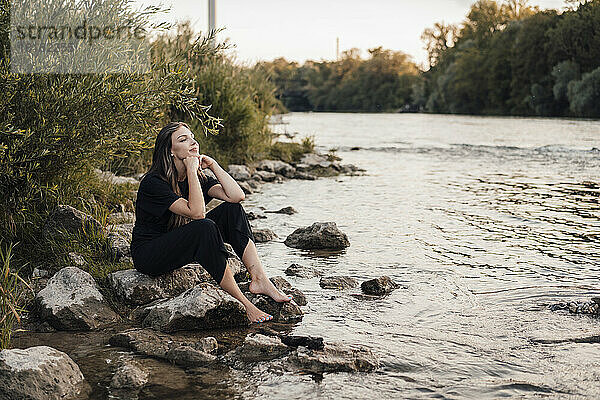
[157,195]
[207,185]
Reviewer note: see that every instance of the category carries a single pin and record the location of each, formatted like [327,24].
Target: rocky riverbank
[121,335]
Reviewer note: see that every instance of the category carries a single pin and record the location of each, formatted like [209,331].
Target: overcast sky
[307,29]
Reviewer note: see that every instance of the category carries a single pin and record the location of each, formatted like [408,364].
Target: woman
[172,227]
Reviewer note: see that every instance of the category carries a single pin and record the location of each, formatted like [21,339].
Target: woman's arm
[228,189]
[194,207]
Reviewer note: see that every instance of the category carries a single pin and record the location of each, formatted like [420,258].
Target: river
[486,221]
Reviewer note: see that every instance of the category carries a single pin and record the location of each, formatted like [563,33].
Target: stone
[379,287]
[579,307]
[254,184]
[283,285]
[239,172]
[129,376]
[135,288]
[314,160]
[334,357]
[258,347]
[246,187]
[39,273]
[320,235]
[338,282]
[264,176]
[38,372]
[302,271]
[205,306]
[289,210]
[160,345]
[310,342]
[252,215]
[71,301]
[304,176]
[116,218]
[70,220]
[76,259]
[276,166]
[263,235]
[119,240]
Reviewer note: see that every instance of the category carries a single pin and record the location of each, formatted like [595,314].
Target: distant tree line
[505,58]
[383,82]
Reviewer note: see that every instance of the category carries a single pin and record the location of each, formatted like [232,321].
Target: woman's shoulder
[152,179]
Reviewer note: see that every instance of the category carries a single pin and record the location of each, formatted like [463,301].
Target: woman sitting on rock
[172,227]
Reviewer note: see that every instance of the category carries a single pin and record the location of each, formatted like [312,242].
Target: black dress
[156,250]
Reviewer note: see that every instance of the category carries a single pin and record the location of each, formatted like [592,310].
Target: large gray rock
[239,172]
[135,288]
[69,220]
[334,357]
[71,301]
[257,347]
[379,286]
[320,235]
[338,282]
[154,344]
[38,373]
[204,306]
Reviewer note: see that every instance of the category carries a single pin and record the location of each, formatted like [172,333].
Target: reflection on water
[486,221]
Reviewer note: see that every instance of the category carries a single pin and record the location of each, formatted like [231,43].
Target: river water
[486,221]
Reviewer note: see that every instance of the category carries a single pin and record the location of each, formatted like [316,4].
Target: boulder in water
[320,235]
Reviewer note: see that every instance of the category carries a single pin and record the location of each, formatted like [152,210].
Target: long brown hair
[164,166]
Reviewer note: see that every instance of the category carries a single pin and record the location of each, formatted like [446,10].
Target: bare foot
[265,286]
[256,315]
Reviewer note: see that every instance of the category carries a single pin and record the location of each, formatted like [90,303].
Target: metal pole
[212,17]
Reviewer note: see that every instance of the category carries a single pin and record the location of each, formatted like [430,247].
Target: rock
[310,342]
[283,285]
[334,357]
[355,148]
[277,166]
[378,287]
[314,160]
[115,179]
[338,282]
[121,218]
[579,307]
[239,172]
[72,301]
[263,235]
[150,343]
[245,187]
[257,347]
[303,175]
[289,210]
[135,288]
[70,220]
[39,273]
[77,259]
[254,184]
[320,235]
[251,216]
[264,176]
[119,240]
[39,372]
[205,306]
[302,271]
[129,376]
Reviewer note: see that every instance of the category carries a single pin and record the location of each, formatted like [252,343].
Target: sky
[307,29]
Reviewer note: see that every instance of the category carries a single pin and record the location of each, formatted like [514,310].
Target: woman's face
[183,143]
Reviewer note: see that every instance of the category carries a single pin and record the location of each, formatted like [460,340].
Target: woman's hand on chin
[206,161]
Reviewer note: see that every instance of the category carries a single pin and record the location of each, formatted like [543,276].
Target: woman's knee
[203,225]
